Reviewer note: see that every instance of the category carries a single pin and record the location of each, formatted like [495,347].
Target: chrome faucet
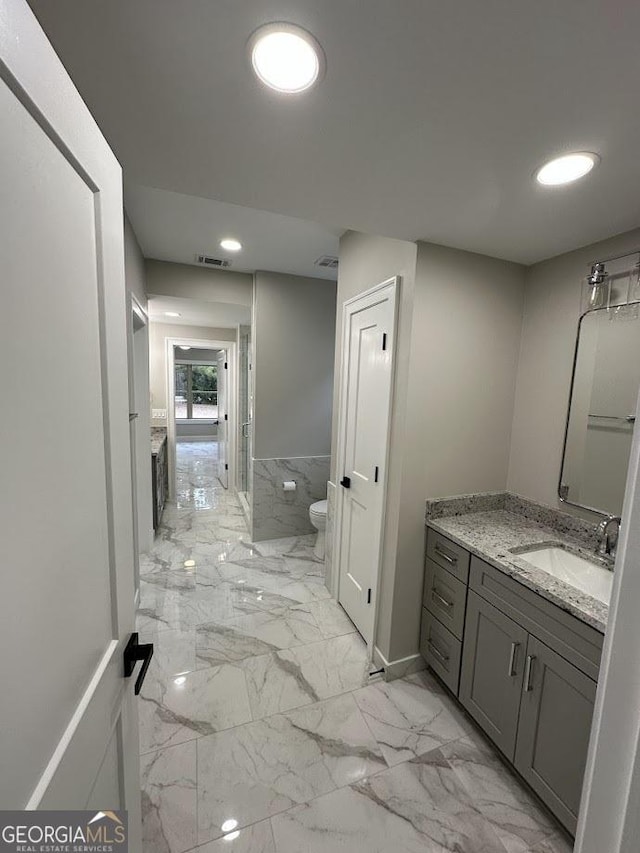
[608,532]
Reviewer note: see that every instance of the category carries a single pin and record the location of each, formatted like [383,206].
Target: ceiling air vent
[327,261]
[209,261]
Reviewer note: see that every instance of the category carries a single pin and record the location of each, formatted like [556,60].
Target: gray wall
[134,264]
[293,344]
[467,317]
[294,328]
[551,313]
[465,347]
[190,282]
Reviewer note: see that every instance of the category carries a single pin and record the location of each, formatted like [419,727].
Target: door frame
[136,312]
[232,354]
[349,307]
[609,809]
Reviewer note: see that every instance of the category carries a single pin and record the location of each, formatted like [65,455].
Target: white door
[368,341]
[69,718]
[223,419]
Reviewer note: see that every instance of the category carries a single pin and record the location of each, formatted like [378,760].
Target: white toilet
[318,517]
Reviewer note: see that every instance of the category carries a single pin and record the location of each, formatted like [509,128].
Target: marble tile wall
[276,513]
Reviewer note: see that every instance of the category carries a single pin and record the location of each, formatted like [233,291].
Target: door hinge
[226,365]
[375,476]
[226,417]
[345,482]
[226,467]
[384,340]
[369,597]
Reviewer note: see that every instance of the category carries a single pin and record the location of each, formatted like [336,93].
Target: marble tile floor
[260,728]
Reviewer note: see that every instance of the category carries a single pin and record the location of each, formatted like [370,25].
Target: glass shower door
[245,406]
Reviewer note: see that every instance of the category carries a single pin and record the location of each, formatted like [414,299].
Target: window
[196,392]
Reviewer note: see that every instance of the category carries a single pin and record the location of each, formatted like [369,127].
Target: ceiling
[195,312]
[429,122]
[175,227]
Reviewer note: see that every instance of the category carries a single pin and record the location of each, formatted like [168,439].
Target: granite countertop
[158,436]
[493,535]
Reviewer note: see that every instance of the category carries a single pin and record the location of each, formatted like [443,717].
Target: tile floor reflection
[260,729]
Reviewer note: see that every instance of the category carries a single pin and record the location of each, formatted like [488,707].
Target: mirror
[602,406]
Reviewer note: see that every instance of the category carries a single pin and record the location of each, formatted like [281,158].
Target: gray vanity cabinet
[522,667]
[492,671]
[554,728]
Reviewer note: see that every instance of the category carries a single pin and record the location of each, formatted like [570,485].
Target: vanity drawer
[563,632]
[448,555]
[441,650]
[445,596]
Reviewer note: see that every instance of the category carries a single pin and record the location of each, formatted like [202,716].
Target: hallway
[259,728]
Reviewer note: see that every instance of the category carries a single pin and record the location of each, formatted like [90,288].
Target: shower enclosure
[245,406]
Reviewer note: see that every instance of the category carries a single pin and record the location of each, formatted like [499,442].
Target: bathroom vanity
[159,472]
[517,646]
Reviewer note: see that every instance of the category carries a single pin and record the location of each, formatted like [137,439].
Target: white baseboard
[398,668]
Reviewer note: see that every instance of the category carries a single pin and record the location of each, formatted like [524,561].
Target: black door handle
[134,652]
[346,482]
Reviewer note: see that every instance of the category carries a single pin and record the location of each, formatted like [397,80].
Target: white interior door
[223,419]
[368,341]
[69,719]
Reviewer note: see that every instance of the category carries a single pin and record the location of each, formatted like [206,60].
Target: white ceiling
[194,312]
[175,227]
[429,123]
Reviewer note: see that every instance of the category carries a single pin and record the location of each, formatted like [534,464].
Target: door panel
[67,531]
[365,401]
[554,731]
[68,461]
[107,793]
[223,420]
[492,671]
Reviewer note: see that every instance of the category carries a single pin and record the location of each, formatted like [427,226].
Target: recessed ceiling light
[286,57]
[183,347]
[230,245]
[564,170]
[171,314]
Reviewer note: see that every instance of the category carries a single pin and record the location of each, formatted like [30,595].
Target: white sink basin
[584,575]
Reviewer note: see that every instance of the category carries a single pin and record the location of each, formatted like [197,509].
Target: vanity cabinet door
[491,681]
[553,734]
